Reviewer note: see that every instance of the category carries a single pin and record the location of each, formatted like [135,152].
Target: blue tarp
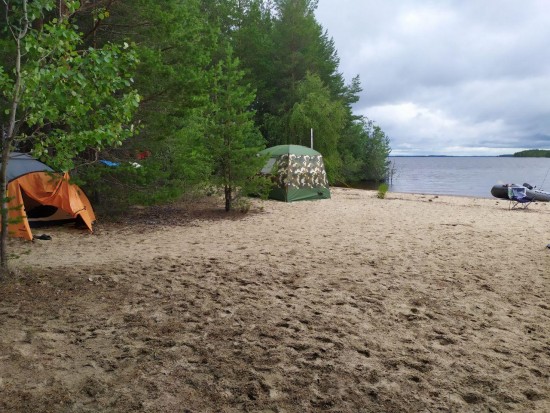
[109,163]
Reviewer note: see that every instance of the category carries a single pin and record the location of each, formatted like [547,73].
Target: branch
[23,33]
[8,19]
[152,97]
[19,89]
[98,22]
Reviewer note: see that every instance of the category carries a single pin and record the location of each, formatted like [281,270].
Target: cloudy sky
[450,77]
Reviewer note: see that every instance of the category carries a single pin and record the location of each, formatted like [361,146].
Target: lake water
[466,176]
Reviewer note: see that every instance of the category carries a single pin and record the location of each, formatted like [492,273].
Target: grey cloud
[478,68]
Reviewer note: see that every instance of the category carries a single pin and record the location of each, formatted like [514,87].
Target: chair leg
[517,205]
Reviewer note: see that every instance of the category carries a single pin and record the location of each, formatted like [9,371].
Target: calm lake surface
[466,176]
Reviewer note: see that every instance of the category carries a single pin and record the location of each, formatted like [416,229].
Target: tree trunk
[227,198]
[4,208]
[7,141]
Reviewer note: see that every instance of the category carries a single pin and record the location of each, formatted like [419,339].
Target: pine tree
[232,139]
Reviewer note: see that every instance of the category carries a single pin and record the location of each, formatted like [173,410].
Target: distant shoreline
[448,156]
[463,156]
[529,153]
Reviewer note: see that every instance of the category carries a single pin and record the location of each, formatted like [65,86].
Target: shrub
[382,190]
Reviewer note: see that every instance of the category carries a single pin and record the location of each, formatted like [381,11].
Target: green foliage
[254,45]
[300,46]
[365,149]
[71,98]
[232,139]
[316,110]
[533,153]
[242,205]
[294,66]
[375,158]
[194,116]
[57,98]
[382,190]
[175,48]
[179,165]
[17,219]
[283,52]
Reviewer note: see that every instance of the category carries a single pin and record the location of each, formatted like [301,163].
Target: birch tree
[57,98]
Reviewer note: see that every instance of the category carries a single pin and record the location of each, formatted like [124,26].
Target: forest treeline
[204,85]
[533,153]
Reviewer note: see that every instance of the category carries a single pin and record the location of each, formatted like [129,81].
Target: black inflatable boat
[501,191]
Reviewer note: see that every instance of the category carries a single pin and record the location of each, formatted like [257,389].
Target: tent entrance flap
[37,212]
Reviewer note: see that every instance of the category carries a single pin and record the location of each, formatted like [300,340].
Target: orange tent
[38,193]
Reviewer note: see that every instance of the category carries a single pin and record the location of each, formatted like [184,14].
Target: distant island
[532,153]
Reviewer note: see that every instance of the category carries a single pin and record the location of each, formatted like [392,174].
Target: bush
[242,205]
[382,190]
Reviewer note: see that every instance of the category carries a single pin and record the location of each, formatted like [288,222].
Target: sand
[413,303]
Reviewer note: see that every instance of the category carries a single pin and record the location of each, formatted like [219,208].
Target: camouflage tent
[298,173]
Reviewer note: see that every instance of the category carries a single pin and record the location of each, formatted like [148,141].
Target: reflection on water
[466,176]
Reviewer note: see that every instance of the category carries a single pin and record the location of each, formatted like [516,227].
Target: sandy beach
[413,303]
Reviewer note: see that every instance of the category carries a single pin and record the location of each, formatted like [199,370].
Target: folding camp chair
[518,197]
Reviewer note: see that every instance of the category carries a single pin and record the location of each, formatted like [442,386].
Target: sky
[448,77]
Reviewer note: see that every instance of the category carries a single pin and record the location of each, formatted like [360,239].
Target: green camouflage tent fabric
[298,173]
